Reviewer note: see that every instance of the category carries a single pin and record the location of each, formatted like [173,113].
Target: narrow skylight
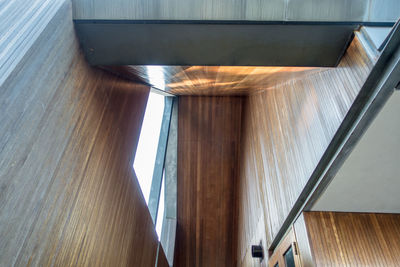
[156,76]
[148,142]
[160,214]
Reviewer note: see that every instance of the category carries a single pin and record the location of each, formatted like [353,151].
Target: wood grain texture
[354,239]
[162,259]
[68,134]
[303,242]
[21,23]
[287,129]
[177,9]
[268,10]
[212,80]
[208,147]
[278,257]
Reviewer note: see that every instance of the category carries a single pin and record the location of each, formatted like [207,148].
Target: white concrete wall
[369,180]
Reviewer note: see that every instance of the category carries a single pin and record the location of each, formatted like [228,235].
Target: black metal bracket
[257,251]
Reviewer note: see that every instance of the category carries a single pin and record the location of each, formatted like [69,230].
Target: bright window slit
[148,142]
[160,212]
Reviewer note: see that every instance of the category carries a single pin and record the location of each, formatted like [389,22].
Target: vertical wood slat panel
[162,259]
[68,133]
[177,9]
[208,147]
[271,10]
[354,239]
[21,22]
[303,242]
[286,131]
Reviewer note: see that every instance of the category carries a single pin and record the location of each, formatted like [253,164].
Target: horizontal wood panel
[286,131]
[354,239]
[212,80]
[68,134]
[208,147]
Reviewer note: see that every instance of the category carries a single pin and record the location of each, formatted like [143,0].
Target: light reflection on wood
[68,134]
[285,134]
[354,239]
[214,80]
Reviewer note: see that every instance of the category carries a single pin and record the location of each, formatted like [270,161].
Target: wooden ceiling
[212,80]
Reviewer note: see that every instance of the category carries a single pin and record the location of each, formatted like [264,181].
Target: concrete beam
[213,43]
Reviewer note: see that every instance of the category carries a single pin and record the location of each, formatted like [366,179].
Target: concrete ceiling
[369,180]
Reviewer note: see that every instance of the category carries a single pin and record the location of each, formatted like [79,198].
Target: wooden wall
[271,10]
[354,239]
[212,80]
[21,23]
[286,131]
[208,148]
[68,134]
[162,258]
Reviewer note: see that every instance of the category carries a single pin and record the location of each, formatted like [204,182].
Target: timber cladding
[68,134]
[208,147]
[215,80]
[287,128]
[354,239]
